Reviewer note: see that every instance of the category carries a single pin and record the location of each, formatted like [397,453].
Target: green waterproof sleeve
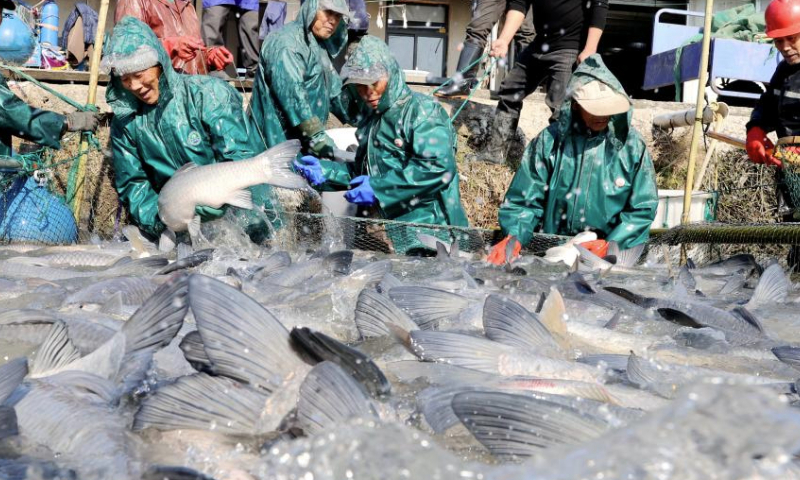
[20,119]
[346,106]
[430,168]
[522,209]
[337,175]
[222,115]
[286,74]
[132,184]
[638,214]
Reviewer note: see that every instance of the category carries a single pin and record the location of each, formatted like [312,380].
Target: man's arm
[598,10]
[514,19]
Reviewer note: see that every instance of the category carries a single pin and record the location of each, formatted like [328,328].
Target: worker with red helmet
[778,109]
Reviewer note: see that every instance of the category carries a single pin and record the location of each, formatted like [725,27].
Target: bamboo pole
[698,119]
[94,76]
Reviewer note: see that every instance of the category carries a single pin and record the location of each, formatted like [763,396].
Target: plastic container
[17,41]
[49,30]
[335,201]
[670,208]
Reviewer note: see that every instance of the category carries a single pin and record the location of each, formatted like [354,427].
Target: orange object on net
[498,254]
[598,247]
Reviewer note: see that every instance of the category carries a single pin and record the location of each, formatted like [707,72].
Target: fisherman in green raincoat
[164,120]
[590,170]
[405,164]
[296,86]
[41,126]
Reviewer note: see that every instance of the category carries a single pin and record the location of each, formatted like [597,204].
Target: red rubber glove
[760,148]
[498,254]
[598,247]
[184,48]
[218,58]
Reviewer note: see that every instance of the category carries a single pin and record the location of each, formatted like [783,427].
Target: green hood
[132,47]
[338,41]
[589,70]
[373,55]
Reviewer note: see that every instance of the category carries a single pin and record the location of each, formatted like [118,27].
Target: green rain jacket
[197,119]
[570,181]
[407,147]
[296,81]
[17,118]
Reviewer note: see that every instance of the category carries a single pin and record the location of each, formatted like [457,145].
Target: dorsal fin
[56,351]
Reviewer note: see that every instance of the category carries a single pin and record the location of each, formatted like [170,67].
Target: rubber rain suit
[17,118]
[295,81]
[570,181]
[168,18]
[407,147]
[197,119]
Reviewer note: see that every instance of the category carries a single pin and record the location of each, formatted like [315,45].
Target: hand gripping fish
[223,183]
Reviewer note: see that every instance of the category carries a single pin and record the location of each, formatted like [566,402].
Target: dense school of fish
[242,362]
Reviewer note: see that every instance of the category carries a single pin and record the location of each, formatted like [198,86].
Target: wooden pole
[698,119]
[94,76]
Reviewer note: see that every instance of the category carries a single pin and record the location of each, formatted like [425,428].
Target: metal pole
[91,99]
[698,119]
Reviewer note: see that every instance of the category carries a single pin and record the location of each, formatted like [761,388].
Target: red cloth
[168,19]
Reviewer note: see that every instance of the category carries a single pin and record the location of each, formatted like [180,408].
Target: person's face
[144,84]
[372,94]
[325,24]
[592,122]
[789,47]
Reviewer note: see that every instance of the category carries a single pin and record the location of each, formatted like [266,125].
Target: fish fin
[612,361]
[138,243]
[508,322]
[788,355]
[614,321]
[427,240]
[735,283]
[194,353]
[374,312]
[441,251]
[553,317]
[329,397]
[184,250]
[455,250]
[277,163]
[458,349]
[679,317]
[642,373]
[639,300]
[194,227]
[11,375]
[773,286]
[387,283]
[591,260]
[273,264]
[185,168]
[159,318]
[56,352]
[194,259]
[630,257]
[613,250]
[168,472]
[114,305]
[339,262]
[202,402]
[748,317]
[427,306]
[86,382]
[121,261]
[167,241]
[241,199]
[435,404]
[322,347]
[373,272]
[515,426]
[8,422]
[242,339]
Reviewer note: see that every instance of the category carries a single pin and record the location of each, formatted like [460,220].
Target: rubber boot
[461,89]
[503,129]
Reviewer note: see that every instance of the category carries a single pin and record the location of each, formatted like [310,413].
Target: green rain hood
[570,181]
[197,119]
[296,80]
[407,147]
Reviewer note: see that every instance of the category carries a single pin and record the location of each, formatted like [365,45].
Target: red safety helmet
[783,18]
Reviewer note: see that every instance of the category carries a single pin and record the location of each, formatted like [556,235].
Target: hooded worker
[296,86]
[41,126]
[590,170]
[405,164]
[176,25]
[164,120]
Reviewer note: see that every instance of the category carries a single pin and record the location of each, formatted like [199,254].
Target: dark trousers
[485,13]
[531,69]
[214,21]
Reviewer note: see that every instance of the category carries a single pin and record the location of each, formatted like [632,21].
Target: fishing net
[787,150]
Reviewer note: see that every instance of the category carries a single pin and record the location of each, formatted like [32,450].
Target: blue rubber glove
[362,194]
[311,170]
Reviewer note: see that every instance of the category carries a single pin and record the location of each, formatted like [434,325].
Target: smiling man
[164,120]
[589,171]
[778,109]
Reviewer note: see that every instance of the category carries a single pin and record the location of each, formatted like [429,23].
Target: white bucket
[335,201]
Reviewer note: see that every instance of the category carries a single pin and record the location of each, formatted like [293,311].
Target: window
[418,39]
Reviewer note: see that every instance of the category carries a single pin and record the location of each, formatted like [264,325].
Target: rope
[473,91]
[451,79]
